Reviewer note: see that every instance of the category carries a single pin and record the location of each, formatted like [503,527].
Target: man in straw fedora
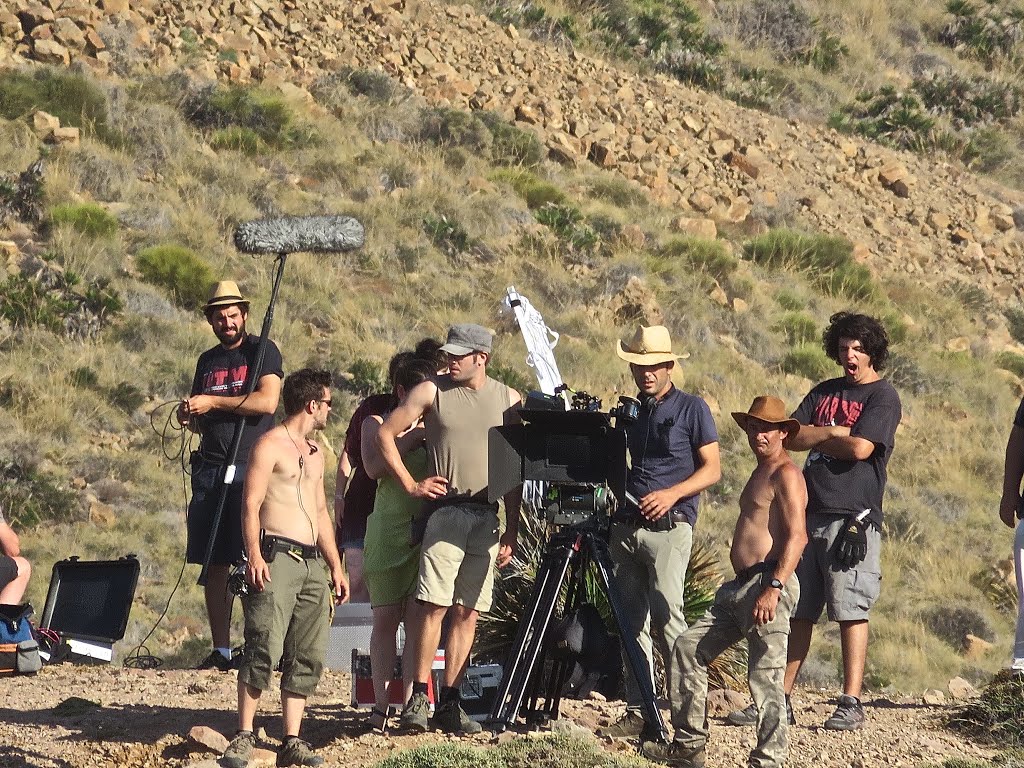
[673,448]
[214,404]
[769,537]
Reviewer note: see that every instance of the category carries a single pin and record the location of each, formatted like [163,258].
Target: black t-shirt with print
[871,411]
[224,372]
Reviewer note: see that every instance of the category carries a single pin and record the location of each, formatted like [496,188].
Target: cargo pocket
[861,594]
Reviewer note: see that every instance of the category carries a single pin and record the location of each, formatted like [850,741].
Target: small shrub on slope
[71,97]
[88,218]
[998,714]
[180,271]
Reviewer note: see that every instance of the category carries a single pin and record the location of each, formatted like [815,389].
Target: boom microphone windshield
[297,234]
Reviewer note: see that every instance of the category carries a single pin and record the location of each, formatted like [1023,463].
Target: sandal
[378,720]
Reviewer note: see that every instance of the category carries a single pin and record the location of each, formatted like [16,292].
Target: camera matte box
[90,599]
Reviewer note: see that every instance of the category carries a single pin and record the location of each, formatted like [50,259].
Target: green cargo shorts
[288,623]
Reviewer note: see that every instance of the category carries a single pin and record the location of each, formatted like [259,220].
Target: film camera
[579,454]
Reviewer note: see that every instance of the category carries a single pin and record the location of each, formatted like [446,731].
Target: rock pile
[713,160]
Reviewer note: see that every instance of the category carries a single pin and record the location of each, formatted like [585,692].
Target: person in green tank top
[391,560]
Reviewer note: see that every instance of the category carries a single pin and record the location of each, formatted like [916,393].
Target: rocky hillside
[145,178]
[720,165]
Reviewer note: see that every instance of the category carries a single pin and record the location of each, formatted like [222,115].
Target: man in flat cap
[216,402]
[769,538]
[461,542]
[673,448]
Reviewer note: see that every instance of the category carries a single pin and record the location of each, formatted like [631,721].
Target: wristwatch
[777,584]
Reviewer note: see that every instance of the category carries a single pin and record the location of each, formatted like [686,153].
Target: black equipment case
[89,600]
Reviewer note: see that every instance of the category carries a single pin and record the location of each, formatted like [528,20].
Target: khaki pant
[288,622]
[728,621]
[457,559]
[649,575]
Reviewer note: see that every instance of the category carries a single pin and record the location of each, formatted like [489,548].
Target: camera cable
[175,444]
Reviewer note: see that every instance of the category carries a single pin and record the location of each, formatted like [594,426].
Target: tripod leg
[532,630]
[560,670]
[638,663]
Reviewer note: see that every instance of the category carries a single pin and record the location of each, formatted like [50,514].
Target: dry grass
[403,286]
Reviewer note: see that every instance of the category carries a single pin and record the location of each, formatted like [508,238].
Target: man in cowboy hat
[769,537]
[849,426]
[673,447]
[216,401]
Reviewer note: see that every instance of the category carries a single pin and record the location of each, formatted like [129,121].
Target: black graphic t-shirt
[871,411]
[223,372]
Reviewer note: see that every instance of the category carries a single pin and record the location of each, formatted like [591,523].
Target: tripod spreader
[567,555]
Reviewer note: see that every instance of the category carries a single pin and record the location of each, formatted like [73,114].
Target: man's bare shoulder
[787,470]
[271,440]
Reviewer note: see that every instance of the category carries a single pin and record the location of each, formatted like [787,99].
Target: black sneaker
[415,714]
[216,660]
[849,715]
[673,753]
[239,750]
[748,715]
[452,718]
[628,726]
[295,751]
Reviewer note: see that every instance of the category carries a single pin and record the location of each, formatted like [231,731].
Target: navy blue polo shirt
[664,444]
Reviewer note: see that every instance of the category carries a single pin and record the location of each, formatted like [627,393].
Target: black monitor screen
[91,600]
[570,451]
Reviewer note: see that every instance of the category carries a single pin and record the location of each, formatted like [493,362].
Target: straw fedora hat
[650,345]
[223,293]
[768,409]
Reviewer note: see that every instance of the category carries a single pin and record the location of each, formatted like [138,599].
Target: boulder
[695,227]
[50,51]
[722,701]
[961,689]
[43,123]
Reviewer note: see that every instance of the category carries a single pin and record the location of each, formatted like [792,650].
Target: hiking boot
[415,713]
[239,750]
[748,715]
[452,718]
[673,753]
[628,726]
[295,751]
[849,715]
[216,660]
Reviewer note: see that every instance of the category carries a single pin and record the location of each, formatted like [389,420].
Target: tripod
[567,556]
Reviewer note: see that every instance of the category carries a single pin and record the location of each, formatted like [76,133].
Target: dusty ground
[71,715]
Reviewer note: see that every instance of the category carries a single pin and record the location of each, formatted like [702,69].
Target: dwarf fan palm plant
[513,588]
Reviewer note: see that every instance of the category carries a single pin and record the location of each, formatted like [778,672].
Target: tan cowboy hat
[223,293]
[650,345]
[768,409]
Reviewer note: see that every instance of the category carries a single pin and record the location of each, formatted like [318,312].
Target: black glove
[852,545]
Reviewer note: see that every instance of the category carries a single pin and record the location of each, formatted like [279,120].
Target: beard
[230,338]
